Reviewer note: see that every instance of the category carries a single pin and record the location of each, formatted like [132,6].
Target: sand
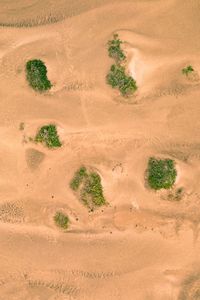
[141,246]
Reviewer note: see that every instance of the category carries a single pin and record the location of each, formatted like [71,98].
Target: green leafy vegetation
[117,78]
[61,220]
[161,173]
[36,74]
[49,136]
[93,190]
[114,49]
[89,187]
[78,178]
[187,70]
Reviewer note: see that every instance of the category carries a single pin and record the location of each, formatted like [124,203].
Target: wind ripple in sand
[23,15]
[35,284]
[11,213]
[34,158]
[87,275]
[191,288]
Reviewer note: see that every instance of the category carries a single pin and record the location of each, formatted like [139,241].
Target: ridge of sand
[141,246]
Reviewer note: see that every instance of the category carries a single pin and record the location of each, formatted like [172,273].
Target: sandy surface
[141,246]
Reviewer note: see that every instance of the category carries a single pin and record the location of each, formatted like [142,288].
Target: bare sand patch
[142,245]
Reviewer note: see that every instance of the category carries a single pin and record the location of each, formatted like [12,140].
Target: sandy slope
[141,246]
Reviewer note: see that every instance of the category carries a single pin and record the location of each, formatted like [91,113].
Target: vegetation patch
[48,135]
[114,49]
[187,70]
[117,78]
[36,74]
[61,220]
[78,178]
[161,173]
[89,188]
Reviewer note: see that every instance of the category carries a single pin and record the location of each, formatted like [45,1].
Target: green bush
[161,173]
[114,49]
[48,135]
[78,178]
[94,188]
[61,220]
[187,70]
[36,74]
[117,78]
[89,187]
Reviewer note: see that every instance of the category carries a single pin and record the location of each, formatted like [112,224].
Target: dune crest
[124,228]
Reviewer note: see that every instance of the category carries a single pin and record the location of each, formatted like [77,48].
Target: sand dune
[141,245]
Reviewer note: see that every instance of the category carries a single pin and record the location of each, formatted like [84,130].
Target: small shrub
[94,188]
[61,220]
[36,74]
[161,173]
[78,178]
[48,135]
[21,126]
[114,49]
[88,185]
[187,70]
[117,78]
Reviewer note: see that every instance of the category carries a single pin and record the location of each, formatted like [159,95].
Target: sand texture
[141,245]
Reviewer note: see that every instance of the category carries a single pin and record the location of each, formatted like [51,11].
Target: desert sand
[141,246]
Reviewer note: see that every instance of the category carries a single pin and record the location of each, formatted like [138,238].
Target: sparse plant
[48,135]
[61,220]
[117,78]
[161,173]
[88,185]
[187,70]
[176,195]
[21,126]
[114,49]
[78,178]
[36,74]
[93,188]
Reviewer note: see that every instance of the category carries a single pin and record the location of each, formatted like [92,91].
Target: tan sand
[141,246]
